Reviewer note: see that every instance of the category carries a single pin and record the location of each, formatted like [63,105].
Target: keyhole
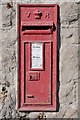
[30,77]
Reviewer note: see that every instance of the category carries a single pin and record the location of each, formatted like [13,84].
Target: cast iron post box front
[37,30]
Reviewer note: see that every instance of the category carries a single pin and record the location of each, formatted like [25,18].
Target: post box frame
[20,103]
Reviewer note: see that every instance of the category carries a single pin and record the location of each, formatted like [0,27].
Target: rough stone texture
[68,61]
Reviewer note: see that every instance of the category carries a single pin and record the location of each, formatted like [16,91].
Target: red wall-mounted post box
[37,43]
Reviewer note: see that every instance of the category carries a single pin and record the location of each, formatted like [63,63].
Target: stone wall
[68,53]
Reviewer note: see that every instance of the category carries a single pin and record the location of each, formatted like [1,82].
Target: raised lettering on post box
[37,56]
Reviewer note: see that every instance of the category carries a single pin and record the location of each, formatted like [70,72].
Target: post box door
[38,73]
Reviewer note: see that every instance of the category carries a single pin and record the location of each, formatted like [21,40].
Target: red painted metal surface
[37,43]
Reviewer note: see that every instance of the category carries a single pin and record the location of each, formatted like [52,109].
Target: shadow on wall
[58,58]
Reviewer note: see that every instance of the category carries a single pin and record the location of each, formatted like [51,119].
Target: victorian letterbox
[37,43]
